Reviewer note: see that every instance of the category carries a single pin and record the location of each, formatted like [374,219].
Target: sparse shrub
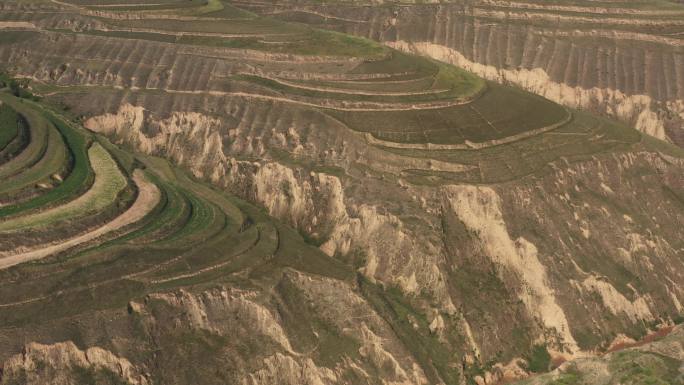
[566,379]
[18,88]
[539,359]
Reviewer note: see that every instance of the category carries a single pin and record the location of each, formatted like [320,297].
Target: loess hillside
[216,192]
[623,59]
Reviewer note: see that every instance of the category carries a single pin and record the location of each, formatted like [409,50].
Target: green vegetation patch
[46,172]
[539,359]
[109,182]
[79,179]
[329,43]
[636,368]
[9,125]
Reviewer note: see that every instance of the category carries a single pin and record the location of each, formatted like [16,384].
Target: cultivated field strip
[148,197]
[11,133]
[37,145]
[108,184]
[46,172]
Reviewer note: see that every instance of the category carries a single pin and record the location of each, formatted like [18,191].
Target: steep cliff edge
[64,363]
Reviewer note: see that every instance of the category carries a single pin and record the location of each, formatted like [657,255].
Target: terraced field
[218,192]
[141,226]
[14,134]
[150,227]
[620,58]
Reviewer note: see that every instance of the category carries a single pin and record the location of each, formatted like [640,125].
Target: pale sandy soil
[16,24]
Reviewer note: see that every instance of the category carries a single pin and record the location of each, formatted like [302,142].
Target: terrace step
[46,173]
[109,183]
[147,198]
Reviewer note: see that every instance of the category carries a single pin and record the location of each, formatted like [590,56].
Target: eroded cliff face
[239,315]
[286,333]
[584,203]
[313,202]
[64,363]
[479,208]
[548,245]
[246,338]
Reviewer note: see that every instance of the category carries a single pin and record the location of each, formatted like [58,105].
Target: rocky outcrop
[205,312]
[282,369]
[247,315]
[64,363]
[352,314]
[479,208]
[616,302]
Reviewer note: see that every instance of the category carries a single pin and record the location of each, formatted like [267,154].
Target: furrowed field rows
[15,131]
[147,199]
[9,131]
[37,144]
[79,178]
[46,172]
[498,113]
[109,182]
